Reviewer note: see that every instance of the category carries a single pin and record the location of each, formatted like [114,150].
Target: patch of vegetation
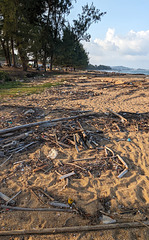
[16,88]
[4,77]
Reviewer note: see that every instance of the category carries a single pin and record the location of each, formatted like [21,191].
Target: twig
[84,159]
[76,166]
[66,175]
[76,146]
[13,197]
[26,146]
[110,150]
[6,160]
[118,115]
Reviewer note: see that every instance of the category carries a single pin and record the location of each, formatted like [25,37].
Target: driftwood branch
[7,130]
[49,231]
[38,209]
[118,115]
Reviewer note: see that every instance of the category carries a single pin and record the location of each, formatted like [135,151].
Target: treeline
[100,67]
[39,31]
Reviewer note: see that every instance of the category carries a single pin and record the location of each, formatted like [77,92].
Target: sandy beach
[117,139]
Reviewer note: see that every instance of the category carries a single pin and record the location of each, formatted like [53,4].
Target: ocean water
[131,71]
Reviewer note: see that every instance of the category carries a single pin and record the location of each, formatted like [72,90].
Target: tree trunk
[45,58]
[36,61]
[51,62]
[8,53]
[23,57]
[5,51]
[13,54]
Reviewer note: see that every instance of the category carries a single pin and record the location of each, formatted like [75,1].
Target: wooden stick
[100,227]
[75,141]
[37,209]
[76,166]
[66,175]
[118,115]
[6,160]
[6,198]
[6,130]
[26,146]
[84,159]
[13,197]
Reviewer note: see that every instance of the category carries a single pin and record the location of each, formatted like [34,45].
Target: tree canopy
[40,31]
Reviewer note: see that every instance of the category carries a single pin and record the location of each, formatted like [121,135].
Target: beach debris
[38,209]
[118,115]
[7,130]
[125,165]
[128,139]
[6,160]
[6,198]
[67,175]
[75,141]
[30,111]
[108,152]
[10,200]
[76,229]
[60,205]
[53,154]
[70,201]
[41,195]
[107,220]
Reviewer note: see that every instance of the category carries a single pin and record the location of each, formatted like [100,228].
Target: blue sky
[122,35]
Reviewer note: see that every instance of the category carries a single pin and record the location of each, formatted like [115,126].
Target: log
[7,130]
[75,229]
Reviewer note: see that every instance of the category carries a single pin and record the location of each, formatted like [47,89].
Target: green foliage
[72,53]
[37,30]
[89,16]
[100,67]
[16,88]
[4,77]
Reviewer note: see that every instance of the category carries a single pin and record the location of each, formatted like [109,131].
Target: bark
[23,57]
[51,63]
[5,50]
[75,229]
[8,53]
[13,54]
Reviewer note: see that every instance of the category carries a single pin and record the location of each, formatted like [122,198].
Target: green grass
[16,88]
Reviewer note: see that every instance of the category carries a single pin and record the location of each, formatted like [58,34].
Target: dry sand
[124,94]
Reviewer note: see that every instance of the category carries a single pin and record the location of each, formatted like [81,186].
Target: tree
[20,19]
[88,16]
[71,52]
[16,24]
[52,27]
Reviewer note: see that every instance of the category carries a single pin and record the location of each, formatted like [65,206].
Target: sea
[131,71]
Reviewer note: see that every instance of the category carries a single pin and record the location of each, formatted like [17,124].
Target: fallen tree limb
[49,231]
[7,130]
[37,209]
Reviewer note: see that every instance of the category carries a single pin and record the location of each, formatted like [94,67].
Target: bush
[4,77]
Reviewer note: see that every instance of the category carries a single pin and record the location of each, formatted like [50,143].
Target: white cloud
[130,50]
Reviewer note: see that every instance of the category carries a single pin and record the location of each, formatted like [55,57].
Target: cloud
[129,50]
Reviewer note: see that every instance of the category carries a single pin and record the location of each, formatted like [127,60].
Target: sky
[121,38]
